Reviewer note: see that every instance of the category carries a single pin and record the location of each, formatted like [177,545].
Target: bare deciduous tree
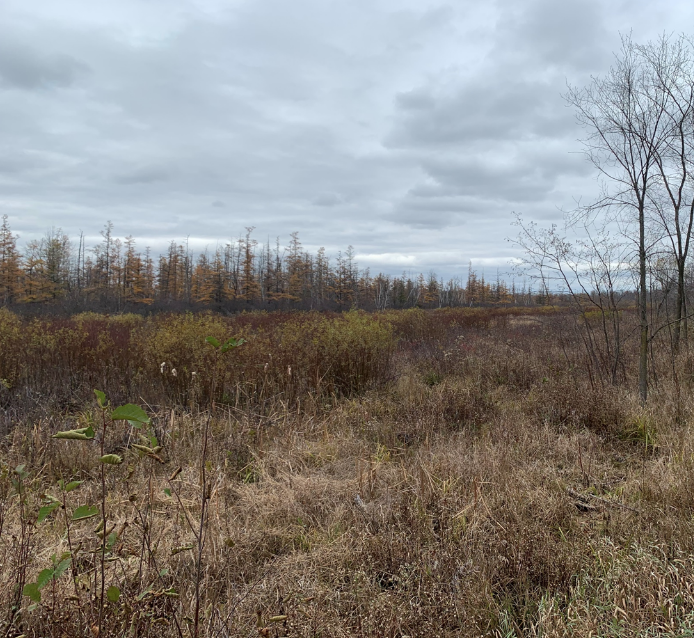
[628,129]
[670,70]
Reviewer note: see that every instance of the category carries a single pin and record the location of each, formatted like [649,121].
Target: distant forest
[243,274]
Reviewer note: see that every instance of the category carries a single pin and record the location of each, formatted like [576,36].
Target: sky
[411,130]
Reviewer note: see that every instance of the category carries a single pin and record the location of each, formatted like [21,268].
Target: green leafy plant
[51,574]
[136,417]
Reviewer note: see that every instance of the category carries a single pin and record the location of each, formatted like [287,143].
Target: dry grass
[484,487]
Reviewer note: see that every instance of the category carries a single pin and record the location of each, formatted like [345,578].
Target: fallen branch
[586,498]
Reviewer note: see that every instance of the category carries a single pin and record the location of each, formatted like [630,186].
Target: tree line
[241,274]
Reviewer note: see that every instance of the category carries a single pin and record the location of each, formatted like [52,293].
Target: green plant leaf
[32,591]
[167,491]
[111,459]
[46,510]
[232,343]
[113,594]
[85,511]
[213,342]
[61,567]
[111,540]
[80,434]
[45,576]
[100,398]
[144,593]
[21,472]
[142,448]
[130,412]
[73,485]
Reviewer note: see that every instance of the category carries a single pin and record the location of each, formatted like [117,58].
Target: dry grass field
[403,474]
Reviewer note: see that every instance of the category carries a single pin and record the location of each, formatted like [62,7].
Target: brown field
[413,473]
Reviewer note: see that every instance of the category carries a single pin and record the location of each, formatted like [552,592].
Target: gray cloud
[410,129]
[25,68]
[477,111]
[145,175]
[327,199]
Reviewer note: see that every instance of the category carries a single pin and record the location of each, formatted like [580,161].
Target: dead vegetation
[478,483]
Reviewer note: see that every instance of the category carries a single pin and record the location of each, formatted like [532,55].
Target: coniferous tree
[10,265]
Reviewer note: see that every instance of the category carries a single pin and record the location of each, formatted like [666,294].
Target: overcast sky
[408,129]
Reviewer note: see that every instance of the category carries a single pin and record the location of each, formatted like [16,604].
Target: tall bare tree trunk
[643,308]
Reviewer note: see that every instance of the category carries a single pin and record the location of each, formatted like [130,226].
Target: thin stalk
[203,503]
[73,568]
[103,521]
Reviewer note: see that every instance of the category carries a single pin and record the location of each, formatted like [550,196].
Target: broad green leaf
[73,485]
[213,342]
[80,434]
[46,510]
[130,412]
[32,591]
[136,424]
[100,398]
[71,434]
[144,593]
[61,567]
[111,459]
[232,343]
[21,472]
[167,491]
[111,540]
[45,576]
[113,594]
[142,448]
[85,511]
